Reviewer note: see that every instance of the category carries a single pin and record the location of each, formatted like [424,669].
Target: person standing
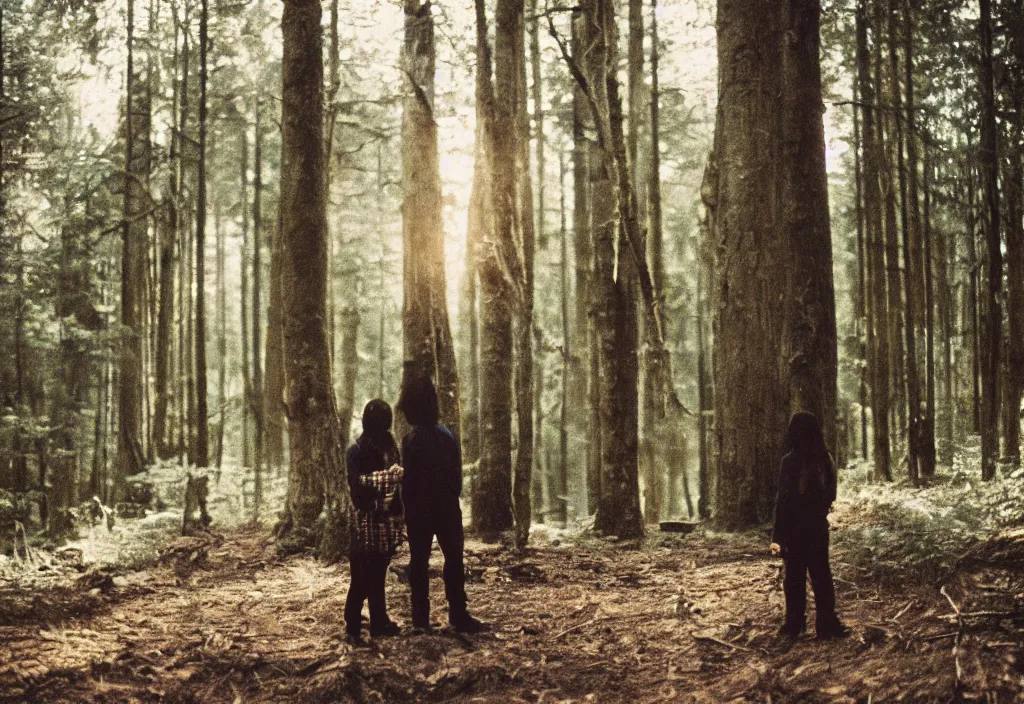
[374,479]
[431,488]
[807,488]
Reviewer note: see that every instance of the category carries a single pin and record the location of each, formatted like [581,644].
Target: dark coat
[432,485]
[376,523]
[366,458]
[805,497]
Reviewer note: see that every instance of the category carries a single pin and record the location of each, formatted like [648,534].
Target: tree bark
[584,375]
[164,444]
[878,331]
[262,404]
[921,264]
[652,412]
[945,305]
[655,401]
[129,458]
[272,400]
[222,333]
[812,336]
[752,387]
[243,303]
[928,456]
[991,309]
[428,345]
[1015,291]
[316,475]
[862,275]
[524,382]
[618,510]
[561,498]
[479,225]
[772,236]
[910,255]
[499,278]
[202,450]
[887,85]
[349,370]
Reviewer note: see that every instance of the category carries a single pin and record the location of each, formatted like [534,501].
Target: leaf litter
[573,618]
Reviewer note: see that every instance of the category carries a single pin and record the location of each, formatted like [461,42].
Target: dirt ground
[681,618]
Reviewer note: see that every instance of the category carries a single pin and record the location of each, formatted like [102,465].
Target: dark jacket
[806,494]
[432,485]
[365,457]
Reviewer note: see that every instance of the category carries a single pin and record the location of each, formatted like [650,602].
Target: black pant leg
[452,541]
[824,588]
[420,541]
[356,591]
[377,577]
[795,586]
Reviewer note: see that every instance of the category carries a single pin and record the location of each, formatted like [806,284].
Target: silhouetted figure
[374,479]
[807,488]
[433,483]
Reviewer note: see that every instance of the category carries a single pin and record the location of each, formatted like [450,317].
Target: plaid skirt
[377,531]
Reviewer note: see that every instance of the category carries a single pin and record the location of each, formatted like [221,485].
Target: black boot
[385,630]
[791,631]
[832,628]
[462,622]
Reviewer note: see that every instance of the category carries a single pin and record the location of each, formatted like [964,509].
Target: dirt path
[689,618]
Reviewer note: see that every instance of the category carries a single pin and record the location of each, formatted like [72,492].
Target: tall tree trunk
[653,401]
[887,84]
[243,303]
[1015,290]
[479,226]
[222,333]
[768,365]
[183,386]
[878,330]
[752,394]
[928,454]
[944,291]
[991,310]
[973,301]
[561,498]
[164,444]
[655,244]
[262,404]
[70,395]
[811,330]
[129,459]
[523,323]
[202,451]
[316,475]
[861,310]
[271,398]
[704,401]
[920,266]
[499,278]
[333,87]
[910,255]
[584,382]
[428,342]
[616,263]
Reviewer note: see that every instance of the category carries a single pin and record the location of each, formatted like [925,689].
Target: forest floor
[678,618]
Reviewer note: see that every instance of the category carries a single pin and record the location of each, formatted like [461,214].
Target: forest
[627,240]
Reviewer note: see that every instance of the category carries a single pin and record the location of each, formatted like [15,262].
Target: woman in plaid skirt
[375,479]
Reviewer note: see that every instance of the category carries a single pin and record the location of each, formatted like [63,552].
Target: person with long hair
[431,488]
[374,479]
[807,488]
